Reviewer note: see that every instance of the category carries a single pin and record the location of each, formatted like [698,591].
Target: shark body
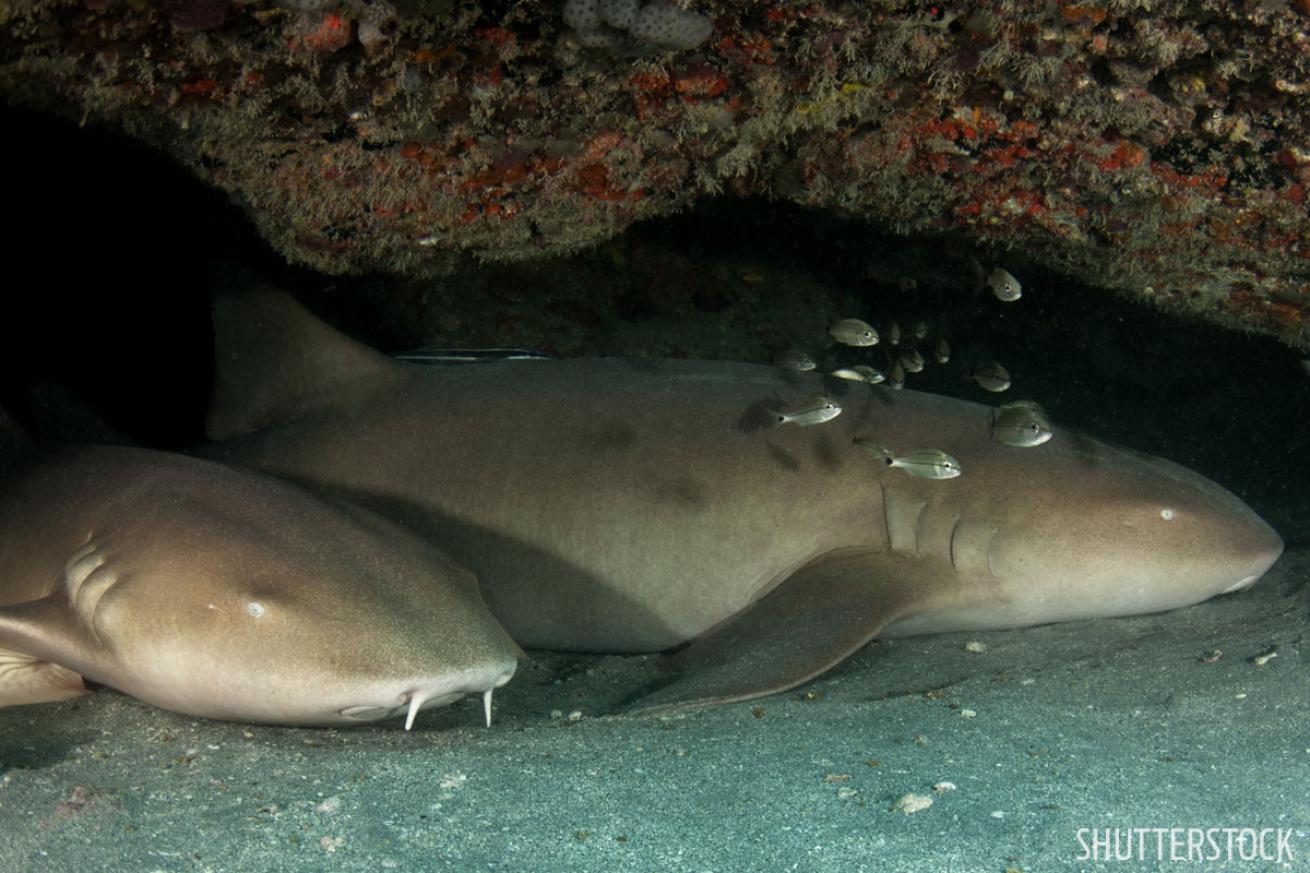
[636,506]
[226,594]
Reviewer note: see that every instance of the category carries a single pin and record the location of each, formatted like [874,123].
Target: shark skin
[614,505]
[226,594]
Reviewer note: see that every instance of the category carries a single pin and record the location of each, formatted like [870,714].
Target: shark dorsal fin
[275,361]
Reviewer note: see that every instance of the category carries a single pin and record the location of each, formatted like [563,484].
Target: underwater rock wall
[1164,152]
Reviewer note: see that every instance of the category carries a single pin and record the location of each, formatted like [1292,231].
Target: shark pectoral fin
[24,679]
[44,629]
[813,620]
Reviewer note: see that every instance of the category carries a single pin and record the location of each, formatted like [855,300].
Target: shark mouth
[423,698]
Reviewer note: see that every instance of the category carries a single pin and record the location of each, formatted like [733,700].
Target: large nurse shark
[613,505]
[227,594]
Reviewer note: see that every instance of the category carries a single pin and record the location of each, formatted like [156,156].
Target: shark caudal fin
[274,360]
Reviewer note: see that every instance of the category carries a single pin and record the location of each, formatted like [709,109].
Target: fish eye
[1167,514]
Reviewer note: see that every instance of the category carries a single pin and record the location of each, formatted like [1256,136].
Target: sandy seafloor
[1110,723]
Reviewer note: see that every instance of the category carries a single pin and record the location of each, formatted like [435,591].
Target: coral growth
[628,27]
[1164,152]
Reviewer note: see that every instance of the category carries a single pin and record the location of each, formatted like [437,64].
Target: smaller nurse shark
[226,594]
[612,505]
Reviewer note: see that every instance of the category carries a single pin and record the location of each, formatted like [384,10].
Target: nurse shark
[227,594]
[615,505]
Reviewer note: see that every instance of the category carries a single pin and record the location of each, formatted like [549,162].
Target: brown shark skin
[632,505]
[144,571]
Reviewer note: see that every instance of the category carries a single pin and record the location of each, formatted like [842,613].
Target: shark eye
[1167,514]
[255,609]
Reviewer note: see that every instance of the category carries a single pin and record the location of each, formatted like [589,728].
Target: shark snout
[1261,548]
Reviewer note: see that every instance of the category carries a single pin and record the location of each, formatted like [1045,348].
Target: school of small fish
[1021,423]
[900,348]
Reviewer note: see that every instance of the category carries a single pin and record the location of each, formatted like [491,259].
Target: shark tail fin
[274,360]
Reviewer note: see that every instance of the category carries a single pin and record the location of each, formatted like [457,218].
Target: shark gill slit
[991,545]
[919,518]
[955,529]
[886,516]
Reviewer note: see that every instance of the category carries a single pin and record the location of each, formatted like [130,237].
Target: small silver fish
[894,334]
[921,330]
[991,376]
[1022,423]
[794,359]
[853,332]
[850,374]
[924,463]
[872,375]
[912,361]
[927,464]
[943,351]
[816,410]
[896,376]
[1004,286]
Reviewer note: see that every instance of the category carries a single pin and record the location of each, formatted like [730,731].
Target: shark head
[1126,534]
[357,625]
[1078,529]
[233,596]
